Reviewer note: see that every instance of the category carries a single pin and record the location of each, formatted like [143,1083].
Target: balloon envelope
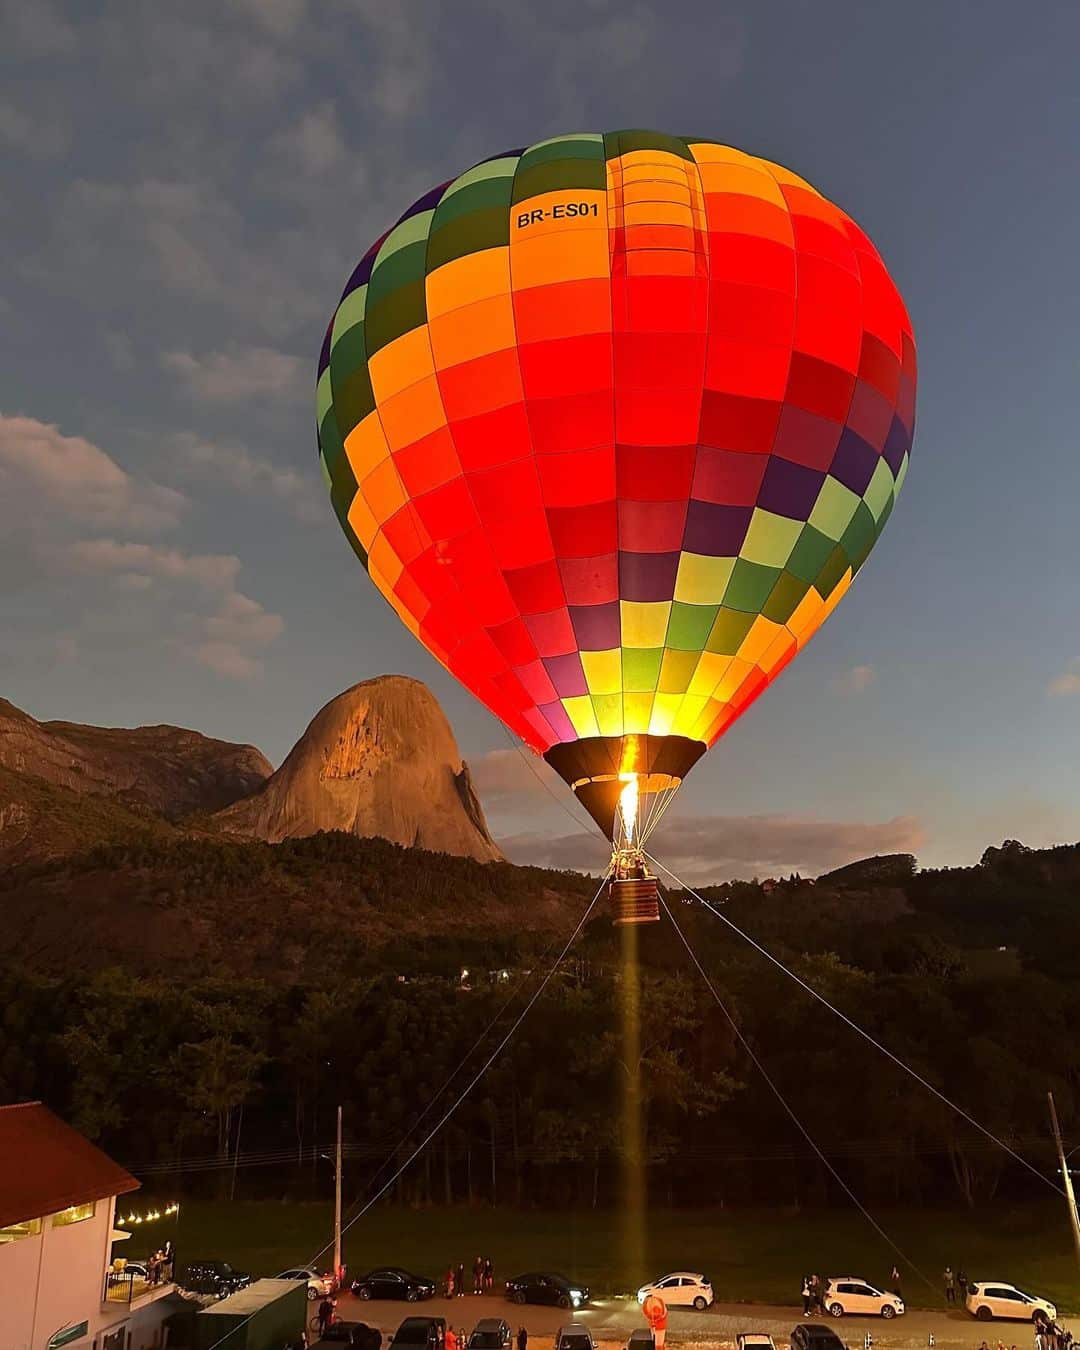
[612,421]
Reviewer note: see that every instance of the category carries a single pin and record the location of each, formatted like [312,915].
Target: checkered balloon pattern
[612,422]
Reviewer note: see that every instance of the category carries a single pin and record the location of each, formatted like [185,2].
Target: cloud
[703,849]
[854,681]
[301,493]
[507,778]
[230,638]
[1068,682]
[40,465]
[238,374]
[35,30]
[183,236]
[278,17]
[39,134]
[212,571]
[240,628]
[314,145]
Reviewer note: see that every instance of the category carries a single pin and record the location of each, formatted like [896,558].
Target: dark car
[815,1336]
[574,1337]
[556,1290]
[420,1333]
[352,1333]
[214,1277]
[393,1282]
[490,1333]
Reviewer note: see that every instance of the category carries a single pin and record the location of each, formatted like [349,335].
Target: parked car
[490,1333]
[641,1338]
[318,1286]
[754,1340]
[555,1290]
[357,1334]
[393,1282]
[846,1294]
[683,1289]
[420,1333]
[994,1298]
[575,1336]
[214,1277]
[815,1336]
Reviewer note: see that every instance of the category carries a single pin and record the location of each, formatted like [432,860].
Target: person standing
[326,1316]
[449,1281]
[817,1292]
[950,1285]
[459,1282]
[522,1339]
[962,1284]
[478,1275]
[450,1340]
[489,1275]
[806,1295]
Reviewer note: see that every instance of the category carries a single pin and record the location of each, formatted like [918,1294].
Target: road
[611,1320]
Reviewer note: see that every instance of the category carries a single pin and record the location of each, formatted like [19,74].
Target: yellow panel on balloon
[637,713]
[644,623]
[665,710]
[580,712]
[710,671]
[603,671]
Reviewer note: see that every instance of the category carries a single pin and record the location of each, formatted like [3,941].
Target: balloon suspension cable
[445,1117]
[788,1108]
[809,988]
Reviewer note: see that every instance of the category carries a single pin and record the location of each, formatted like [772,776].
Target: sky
[184,189]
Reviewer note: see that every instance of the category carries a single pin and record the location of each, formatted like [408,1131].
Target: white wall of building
[55,1279]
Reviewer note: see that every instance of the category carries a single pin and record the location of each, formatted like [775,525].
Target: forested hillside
[248,989]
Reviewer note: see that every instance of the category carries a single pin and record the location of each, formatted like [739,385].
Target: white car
[846,1294]
[318,1286]
[993,1298]
[683,1289]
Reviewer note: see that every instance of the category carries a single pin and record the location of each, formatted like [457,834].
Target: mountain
[380,759]
[169,771]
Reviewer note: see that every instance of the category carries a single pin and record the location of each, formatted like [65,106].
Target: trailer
[265,1316]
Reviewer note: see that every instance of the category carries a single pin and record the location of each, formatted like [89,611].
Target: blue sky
[185,188]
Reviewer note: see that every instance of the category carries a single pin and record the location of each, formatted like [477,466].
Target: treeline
[968,975]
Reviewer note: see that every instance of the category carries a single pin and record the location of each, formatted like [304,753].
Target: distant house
[58,1284]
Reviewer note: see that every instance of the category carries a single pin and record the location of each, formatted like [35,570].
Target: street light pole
[337,1201]
[1065,1176]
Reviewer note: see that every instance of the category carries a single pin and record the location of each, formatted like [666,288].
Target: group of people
[814,1287]
[159,1266]
[483,1278]
[954,1280]
[1050,1336]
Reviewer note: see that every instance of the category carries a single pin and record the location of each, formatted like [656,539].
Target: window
[76,1214]
[15,1231]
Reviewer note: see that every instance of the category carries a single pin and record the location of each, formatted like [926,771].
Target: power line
[809,988]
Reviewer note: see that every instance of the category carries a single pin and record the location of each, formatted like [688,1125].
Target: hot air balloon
[612,421]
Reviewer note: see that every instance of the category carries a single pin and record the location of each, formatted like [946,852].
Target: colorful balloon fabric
[613,421]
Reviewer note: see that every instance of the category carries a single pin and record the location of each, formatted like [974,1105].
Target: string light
[151,1214]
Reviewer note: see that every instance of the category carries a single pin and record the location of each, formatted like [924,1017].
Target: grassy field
[751,1255]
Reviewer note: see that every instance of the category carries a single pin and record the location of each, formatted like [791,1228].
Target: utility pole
[337,1201]
[1073,1219]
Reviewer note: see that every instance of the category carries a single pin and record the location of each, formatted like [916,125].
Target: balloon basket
[634,900]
